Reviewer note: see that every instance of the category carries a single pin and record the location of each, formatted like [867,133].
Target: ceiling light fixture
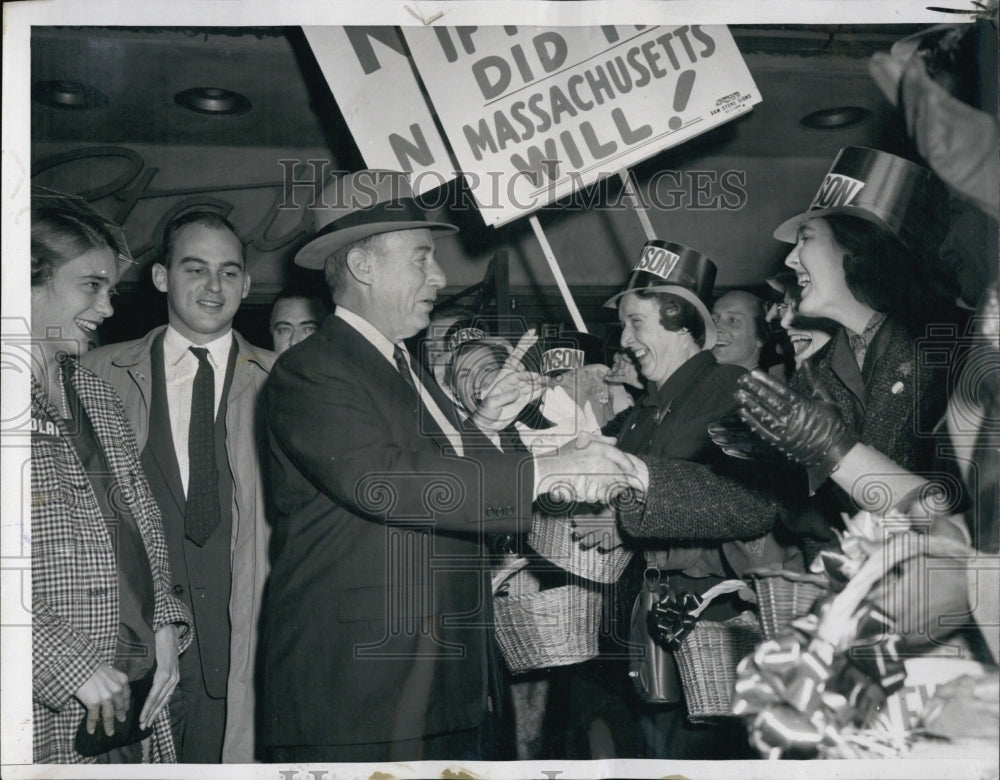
[68,94]
[212,100]
[835,118]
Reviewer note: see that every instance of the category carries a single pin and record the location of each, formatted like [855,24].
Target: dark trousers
[197,720]
[467,745]
[669,734]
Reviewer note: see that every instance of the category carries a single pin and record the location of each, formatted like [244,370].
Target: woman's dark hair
[677,314]
[58,236]
[883,273]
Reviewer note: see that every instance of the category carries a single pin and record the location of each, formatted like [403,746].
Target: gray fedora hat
[359,205]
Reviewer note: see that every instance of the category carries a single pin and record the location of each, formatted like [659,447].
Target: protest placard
[376,90]
[534,114]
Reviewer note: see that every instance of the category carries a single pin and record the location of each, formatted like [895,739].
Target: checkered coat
[73,574]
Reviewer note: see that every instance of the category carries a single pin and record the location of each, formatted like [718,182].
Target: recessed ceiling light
[212,100]
[67,94]
[835,118]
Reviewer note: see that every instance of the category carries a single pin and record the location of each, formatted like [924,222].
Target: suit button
[179,590]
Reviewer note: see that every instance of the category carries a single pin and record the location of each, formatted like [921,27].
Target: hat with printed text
[905,198]
[673,268]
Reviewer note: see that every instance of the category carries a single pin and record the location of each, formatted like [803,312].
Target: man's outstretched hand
[591,469]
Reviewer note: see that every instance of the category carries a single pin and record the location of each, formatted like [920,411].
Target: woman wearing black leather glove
[863,256]
[810,432]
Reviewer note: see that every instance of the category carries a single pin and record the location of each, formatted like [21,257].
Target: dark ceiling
[798,70]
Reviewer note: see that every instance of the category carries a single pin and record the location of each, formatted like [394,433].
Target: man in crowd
[377,632]
[190,391]
[295,315]
[742,330]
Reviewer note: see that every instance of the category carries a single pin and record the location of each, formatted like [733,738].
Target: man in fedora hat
[377,628]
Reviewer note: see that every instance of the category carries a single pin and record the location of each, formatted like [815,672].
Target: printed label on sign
[836,190]
[657,260]
[562,359]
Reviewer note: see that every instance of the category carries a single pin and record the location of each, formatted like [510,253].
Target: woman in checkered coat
[102,613]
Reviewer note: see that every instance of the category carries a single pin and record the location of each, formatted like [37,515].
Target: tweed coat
[892,404]
[126,367]
[74,582]
[896,399]
[697,494]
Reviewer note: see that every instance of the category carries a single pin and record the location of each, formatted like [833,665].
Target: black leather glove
[809,431]
[735,438]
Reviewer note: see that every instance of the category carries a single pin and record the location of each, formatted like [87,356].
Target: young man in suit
[377,631]
[190,391]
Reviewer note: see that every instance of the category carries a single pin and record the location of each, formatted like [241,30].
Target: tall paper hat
[901,196]
[674,268]
[360,205]
[568,350]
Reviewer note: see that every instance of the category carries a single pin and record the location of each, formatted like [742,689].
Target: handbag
[127,733]
[652,667]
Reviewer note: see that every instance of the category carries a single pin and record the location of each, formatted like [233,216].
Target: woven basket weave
[708,656]
[552,538]
[537,629]
[783,596]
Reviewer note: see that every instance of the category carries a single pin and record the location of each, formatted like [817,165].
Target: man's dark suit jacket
[377,617]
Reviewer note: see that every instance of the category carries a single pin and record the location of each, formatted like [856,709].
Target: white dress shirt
[386,349]
[180,367]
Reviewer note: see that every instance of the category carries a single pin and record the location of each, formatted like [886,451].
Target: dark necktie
[404,367]
[202,513]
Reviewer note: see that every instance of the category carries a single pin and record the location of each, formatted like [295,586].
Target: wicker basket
[784,595]
[708,656]
[552,538]
[537,629]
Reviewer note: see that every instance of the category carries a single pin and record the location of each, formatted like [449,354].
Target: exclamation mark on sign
[685,82]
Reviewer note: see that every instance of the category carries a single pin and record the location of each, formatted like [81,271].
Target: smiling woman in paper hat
[680,277]
[691,524]
[866,243]
[363,204]
[862,258]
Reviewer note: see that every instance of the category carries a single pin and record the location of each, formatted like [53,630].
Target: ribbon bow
[670,620]
[802,692]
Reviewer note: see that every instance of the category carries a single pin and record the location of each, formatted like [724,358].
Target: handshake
[590,469]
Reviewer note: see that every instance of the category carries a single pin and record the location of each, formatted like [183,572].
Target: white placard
[534,114]
[378,93]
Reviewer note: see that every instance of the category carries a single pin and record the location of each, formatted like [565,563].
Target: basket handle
[507,572]
[834,627]
[727,586]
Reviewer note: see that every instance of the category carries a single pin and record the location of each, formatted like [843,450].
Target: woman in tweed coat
[77,584]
